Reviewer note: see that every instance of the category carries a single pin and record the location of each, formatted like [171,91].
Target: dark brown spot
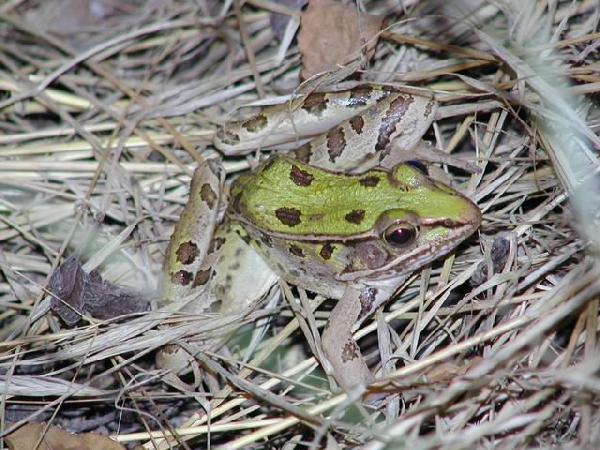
[429,108]
[367,300]
[384,154]
[208,195]
[327,250]
[228,136]
[393,116]
[315,103]
[216,305]
[216,244]
[350,351]
[181,278]
[355,216]
[235,266]
[235,203]
[296,251]
[359,96]
[303,153]
[266,239]
[255,123]
[357,123]
[288,216]
[187,252]
[246,238]
[295,273]
[336,143]
[369,181]
[201,278]
[301,177]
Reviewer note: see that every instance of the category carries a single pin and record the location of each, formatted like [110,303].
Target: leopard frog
[343,214]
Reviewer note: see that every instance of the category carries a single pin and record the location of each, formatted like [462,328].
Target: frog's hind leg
[428,154]
[186,267]
[364,140]
[304,116]
[209,272]
[184,283]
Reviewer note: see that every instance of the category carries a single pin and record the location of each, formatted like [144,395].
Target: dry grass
[102,120]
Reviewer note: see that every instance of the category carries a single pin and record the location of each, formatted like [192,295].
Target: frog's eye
[400,235]
[418,165]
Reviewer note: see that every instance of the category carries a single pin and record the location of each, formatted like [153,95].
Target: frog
[340,208]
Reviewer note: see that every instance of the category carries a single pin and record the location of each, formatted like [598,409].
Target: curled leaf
[76,292]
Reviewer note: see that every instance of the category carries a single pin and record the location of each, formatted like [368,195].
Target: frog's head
[376,225]
[426,220]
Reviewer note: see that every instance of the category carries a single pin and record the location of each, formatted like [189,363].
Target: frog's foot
[424,151]
[174,359]
[348,366]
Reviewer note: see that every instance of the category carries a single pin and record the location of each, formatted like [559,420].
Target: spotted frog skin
[343,214]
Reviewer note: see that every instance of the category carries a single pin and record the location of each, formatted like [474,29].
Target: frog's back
[286,196]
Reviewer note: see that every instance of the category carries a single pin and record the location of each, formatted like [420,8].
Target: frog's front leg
[347,363]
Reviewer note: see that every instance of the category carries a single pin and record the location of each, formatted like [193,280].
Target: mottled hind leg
[348,366]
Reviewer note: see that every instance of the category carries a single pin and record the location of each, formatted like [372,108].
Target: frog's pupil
[400,236]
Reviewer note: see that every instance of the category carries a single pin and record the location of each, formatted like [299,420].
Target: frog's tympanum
[345,214]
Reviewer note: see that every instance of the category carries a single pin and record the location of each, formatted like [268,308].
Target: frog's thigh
[186,267]
[342,351]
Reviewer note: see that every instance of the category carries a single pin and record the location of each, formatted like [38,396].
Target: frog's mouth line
[471,219]
[411,260]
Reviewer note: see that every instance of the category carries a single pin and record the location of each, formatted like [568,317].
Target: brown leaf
[26,437]
[332,34]
[278,22]
[76,292]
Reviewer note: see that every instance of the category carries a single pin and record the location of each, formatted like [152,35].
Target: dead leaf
[332,34]
[55,438]
[76,292]
[278,21]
